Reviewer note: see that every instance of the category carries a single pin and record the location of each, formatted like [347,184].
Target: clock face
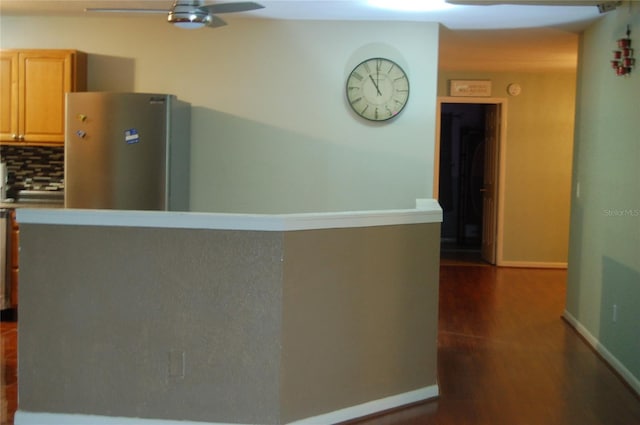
[377,89]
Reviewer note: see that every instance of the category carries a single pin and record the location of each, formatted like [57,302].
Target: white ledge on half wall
[426,211]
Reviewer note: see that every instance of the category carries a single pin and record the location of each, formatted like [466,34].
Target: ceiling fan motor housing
[188,12]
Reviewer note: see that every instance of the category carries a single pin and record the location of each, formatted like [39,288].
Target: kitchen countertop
[31,204]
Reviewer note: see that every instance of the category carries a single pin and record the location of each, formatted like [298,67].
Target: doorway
[467,178]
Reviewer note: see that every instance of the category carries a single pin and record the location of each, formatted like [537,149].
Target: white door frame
[501,149]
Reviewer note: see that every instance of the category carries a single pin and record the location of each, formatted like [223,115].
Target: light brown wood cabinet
[33,84]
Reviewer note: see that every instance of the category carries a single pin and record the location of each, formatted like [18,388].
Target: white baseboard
[532,264]
[369,408]
[32,418]
[602,350]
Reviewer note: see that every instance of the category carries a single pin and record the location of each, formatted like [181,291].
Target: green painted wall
[604,253]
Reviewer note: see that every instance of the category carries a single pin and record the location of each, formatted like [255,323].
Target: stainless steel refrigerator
[127,151]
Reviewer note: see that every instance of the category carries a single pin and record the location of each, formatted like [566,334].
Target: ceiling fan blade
[215,22]
[113,10]
[231,7]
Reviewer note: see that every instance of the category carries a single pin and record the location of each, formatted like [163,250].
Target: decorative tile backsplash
[34,167]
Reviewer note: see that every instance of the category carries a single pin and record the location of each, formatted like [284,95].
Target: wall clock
[377,89]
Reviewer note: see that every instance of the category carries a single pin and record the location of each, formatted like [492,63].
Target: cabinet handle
[14,136]
[21,137]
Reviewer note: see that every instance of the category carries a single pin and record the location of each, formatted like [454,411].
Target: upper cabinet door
[8,95]
[43,79]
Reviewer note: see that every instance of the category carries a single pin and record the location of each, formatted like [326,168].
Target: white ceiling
[452,16]
[545,37]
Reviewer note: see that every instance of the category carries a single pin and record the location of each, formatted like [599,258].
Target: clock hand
[375,85]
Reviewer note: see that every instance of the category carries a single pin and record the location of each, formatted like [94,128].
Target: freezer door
[116,151]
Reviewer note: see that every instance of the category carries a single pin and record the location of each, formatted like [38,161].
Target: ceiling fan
[191,14]
[603,5]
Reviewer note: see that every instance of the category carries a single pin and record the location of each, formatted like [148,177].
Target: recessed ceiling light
[411,5]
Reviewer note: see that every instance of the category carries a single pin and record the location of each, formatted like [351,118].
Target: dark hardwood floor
[505,357]
[8,369]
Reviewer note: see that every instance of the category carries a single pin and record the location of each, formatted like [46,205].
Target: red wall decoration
[623,60]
